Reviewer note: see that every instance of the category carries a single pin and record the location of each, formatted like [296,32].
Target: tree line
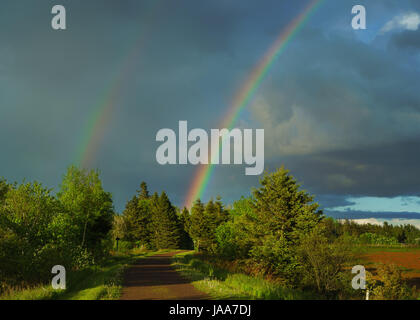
[277,231]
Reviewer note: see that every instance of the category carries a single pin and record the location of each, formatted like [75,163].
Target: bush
[389,284]
[276,257]
[323,264]
[39,230]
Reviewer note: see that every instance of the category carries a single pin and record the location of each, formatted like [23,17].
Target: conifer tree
[167,231]
[222,214]
[283,215]
[143,192]
[282,208]
[130,219]
[155,220]
[137,220]
[184,219]
[202,225]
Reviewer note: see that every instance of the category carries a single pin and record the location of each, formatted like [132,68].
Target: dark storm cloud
[52,83]
[357,105]
[384,170]
[408,39]
[367,215]
[347,121]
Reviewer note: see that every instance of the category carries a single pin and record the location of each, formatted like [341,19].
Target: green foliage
[198,224]
[89,206]
[135,226]
[34,233]
[39,230]
[119,227]
[219,283]
[377,234]
[151,221]
[233,237]
[143,193]
[204,221]
[373,238]
[283,214]
[323,262]
[166,226]
[100,282]
[282,209]
[4,187]
[185,221]
[389,284]
[277,232]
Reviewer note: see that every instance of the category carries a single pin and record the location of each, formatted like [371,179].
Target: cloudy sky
[340,107]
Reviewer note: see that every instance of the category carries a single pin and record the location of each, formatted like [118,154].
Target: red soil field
[407,260]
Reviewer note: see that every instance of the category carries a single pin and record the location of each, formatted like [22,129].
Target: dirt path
[154,278]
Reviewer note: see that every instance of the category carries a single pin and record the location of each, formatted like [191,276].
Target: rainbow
[246,93]
[95,130]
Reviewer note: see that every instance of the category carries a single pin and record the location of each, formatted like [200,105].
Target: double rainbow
[96,129]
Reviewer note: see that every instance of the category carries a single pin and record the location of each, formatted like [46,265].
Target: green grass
[102,282]
[221,284]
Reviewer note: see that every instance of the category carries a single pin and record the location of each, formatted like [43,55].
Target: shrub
[389,284]
[323,264]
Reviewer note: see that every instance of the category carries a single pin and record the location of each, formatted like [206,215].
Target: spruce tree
[137,219]
[202,225]
[222,214]
[282,208]
[155,220]
[166,227]
[130,219]
[283,215]
[143,193]
[184,219]
[170,228]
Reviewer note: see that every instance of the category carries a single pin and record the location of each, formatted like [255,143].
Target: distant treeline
[374,234]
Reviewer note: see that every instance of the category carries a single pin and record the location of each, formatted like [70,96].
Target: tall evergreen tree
[202,226]
[184,219]
[143,193]
[137,220]
[154,220]
[130,219]
[222,214]
[166,227]
[283,215]
[281,208]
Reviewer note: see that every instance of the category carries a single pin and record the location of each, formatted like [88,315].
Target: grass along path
[221,284]
[102,282]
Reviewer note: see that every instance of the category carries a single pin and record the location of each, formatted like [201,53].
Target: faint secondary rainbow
[247,91]
[100,118]
[97,125]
